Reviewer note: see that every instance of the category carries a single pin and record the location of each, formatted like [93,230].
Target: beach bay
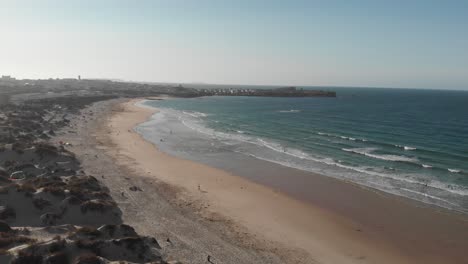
[343,223]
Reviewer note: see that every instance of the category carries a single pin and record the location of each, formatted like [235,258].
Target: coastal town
[119,87]
[278,92]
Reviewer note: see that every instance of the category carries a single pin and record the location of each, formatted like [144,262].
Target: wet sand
[337,223]
[398,220]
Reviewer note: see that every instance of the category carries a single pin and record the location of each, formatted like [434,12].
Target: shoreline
[230,137]
[157,209]
[263,171]
[325,231]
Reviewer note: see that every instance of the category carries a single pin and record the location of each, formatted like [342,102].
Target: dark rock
[135,188]
[122,230]
[3,172]
[18,175]
[97,206]
[87,258]
[56,258]
[73,200]
[41,203]
[27,258]
[4,227]
[49,218]
[7,212]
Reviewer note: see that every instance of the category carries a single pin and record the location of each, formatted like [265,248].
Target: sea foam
[405,147]
[289,111]
[369,153]
[289,156]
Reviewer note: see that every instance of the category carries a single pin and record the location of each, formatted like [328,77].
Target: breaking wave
[195,114]
[405,147]
[369,153]
[381,169]
[289,111]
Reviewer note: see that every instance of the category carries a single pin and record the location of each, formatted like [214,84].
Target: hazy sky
[351,43]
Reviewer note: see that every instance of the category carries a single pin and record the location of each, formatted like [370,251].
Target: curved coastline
[217,131]
[343,223]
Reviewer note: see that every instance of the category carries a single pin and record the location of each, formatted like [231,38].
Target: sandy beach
[102,192]
[295,230]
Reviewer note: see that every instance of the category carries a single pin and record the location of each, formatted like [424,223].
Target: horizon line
[240,84]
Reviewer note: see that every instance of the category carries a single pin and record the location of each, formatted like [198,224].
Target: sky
[372,43]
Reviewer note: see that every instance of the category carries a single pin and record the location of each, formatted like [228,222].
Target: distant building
[7,78]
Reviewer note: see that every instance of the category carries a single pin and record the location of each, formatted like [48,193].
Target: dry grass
[97,206]
[7,212]
[92,245]
[27,188]
[5,189]
[57,258]
[8,240]
[86,182]
[58,245]
[87,258]
[40,203]
[27,258]
[46,150]
[88,232]
[131,243]
[101,195]
[4,227]
[73,200]
[86,187]
[3,173]
[110,229]
[47,182]
[55,191]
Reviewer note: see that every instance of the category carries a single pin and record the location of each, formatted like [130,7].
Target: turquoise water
[412,143]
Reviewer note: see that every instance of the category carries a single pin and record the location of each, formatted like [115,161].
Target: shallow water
[412,143]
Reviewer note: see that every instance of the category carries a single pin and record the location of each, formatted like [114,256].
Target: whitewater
[360,137]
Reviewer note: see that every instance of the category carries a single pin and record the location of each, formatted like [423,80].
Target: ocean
[407,142]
